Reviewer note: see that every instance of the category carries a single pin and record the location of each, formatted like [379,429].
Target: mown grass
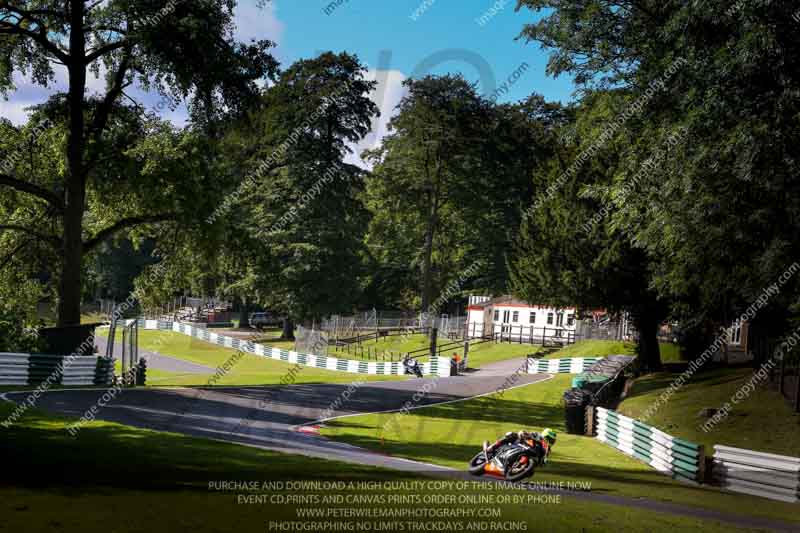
[763,421]
[245,370]
[451,434]
[589,348]
[118,478]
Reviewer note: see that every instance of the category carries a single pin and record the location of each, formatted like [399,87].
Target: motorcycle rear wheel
[517,471]
[478,464]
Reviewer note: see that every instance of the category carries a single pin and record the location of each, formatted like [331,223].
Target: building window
[550,319]
[496,315]
[506,315]
[533,317]
[560,319]
[570,320]
[515,317]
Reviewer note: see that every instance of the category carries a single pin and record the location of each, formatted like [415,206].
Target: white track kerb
[437,366]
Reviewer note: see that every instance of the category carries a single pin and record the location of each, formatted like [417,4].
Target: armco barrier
[567,365]
[776,477]
[32,369]
[678,458]
[437,366]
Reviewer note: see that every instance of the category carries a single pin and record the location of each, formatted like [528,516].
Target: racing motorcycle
[411,366]
[514,461]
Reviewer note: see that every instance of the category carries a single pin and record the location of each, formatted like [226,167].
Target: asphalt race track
[276,418]
[158,361]
[272,416]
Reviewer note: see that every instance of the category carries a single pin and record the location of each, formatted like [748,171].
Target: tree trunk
[427,258]
[244,314]
[648,350]
[288,329]
[69,297]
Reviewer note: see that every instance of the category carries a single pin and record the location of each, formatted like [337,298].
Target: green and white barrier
[566,365]
[437,366]
[676,457]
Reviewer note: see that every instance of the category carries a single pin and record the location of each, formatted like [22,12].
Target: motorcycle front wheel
[520,468]
[477,464]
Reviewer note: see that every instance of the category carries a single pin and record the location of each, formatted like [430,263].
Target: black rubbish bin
[69,340]
[575,402]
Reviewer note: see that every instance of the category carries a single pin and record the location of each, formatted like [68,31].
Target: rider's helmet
[550,436]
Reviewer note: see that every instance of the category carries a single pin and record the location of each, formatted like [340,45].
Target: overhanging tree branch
[51,239]
[39,36]
[117,86]
[103,112]
[126,223]
[30,188]
[103,50]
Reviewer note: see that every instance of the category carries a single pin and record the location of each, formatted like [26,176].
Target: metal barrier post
[124,354]
[701,464]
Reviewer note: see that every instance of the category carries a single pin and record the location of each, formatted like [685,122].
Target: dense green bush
[15,336]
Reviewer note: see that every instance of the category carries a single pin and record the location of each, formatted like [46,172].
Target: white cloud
[28,93]
[386,96]
[15,110]
[253,22]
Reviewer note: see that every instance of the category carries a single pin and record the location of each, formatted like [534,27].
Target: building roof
[504,300]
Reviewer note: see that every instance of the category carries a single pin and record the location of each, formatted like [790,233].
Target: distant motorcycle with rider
[412,366]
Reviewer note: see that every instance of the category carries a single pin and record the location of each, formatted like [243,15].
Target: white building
[511,318]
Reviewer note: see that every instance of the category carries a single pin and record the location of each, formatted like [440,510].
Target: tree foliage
[183,50]
[716,219]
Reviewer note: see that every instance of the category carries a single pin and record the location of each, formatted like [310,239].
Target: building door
[506,319]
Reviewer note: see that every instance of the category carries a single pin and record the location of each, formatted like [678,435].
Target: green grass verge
[763,421]
[118,478]
[451,434]
[248,370]
[588,348]
[492,352]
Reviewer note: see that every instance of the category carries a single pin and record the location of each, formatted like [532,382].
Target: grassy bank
[451,434]
[762,421]
[247,370]
[588,348]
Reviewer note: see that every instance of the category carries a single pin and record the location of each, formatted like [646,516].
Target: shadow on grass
[564,467]
[40,453]
[662,381]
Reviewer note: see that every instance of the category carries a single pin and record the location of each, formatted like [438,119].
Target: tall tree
[426,167]
[566,254]
[295,231]
[141,41]
[719,218]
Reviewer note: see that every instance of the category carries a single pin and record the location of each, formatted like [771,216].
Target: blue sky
[366,27]
[396,39]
